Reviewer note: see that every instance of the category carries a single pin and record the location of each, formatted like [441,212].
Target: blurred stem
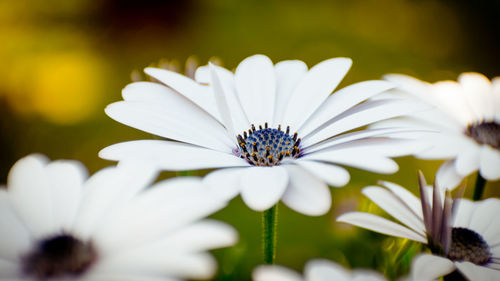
[269,226]
[479,187]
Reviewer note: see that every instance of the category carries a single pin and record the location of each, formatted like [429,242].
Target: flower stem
[479,187]
[269,225]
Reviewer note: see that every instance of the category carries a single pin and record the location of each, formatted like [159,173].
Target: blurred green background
[64,61]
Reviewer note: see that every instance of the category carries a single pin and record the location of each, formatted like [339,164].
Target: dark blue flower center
[467,245]
[59,256]
[485,133]
[267,146]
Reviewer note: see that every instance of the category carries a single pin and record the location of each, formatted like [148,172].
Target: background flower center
[467,245]
[485,133]
[267,146]
[58,256]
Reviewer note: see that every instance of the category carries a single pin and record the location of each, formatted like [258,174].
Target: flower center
[267,146]
[58,256]
[485,133]
[467,245]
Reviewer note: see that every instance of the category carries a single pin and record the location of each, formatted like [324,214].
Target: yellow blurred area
[63,88]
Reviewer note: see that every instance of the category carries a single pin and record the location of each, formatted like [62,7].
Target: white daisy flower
[315,270]
[274,131]
[468,241]
[55,224]
[466,115]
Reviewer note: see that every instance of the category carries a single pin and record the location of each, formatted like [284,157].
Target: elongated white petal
[30,195]
[121,184]
[170,155]
[467,160]
[66,180]
[275,273]
[477,272]
[225,183]
[333,175]
[256,87]
[171,116]
[407,197]
[313,89]
[9,270]
[381,225]
[262,187]
[464,211]
[481,218]
[306,193]
[326,270]
[477,93]
[341,101]
[447,177]
[228,102]
[15,237]
[358,116]
[195,92]
[395,207]
[430,267]
[490,163]
[288,75]
[355,158]
[174,202]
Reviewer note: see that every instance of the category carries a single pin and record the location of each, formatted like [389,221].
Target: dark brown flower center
[467,245]
[485,133]
[59,256]
[267,146]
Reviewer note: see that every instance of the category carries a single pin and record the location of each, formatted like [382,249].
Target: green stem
[479,187]
[269,225]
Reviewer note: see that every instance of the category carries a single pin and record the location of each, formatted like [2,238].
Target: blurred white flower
[55,224]
[461,234]
[466,117]
[315,270]
[275,130]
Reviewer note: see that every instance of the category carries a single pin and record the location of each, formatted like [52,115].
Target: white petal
[306,193]
[430,267]
[482,219]
[325,270]
[154,262]
[342,100]
[199,94]
[464,211]
[170,155]
[110,189]
[477,272]
[262,187]
[408,83]
[357,158]
[447,177]
[228,102]
[256,87]
[9,270]
[30,194]
[225,183]
[333,175]
[199,236]
[381,225]
[169,115]
[477,92]
[202,74]
[166,206]
[15,237]
[275,273]
[467,160]
[490,163]
[361,115]
[395,207]
[66,180]
[313,89]
[288,75]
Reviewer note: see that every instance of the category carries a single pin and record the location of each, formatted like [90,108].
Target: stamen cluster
[267,146]
[467,245]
